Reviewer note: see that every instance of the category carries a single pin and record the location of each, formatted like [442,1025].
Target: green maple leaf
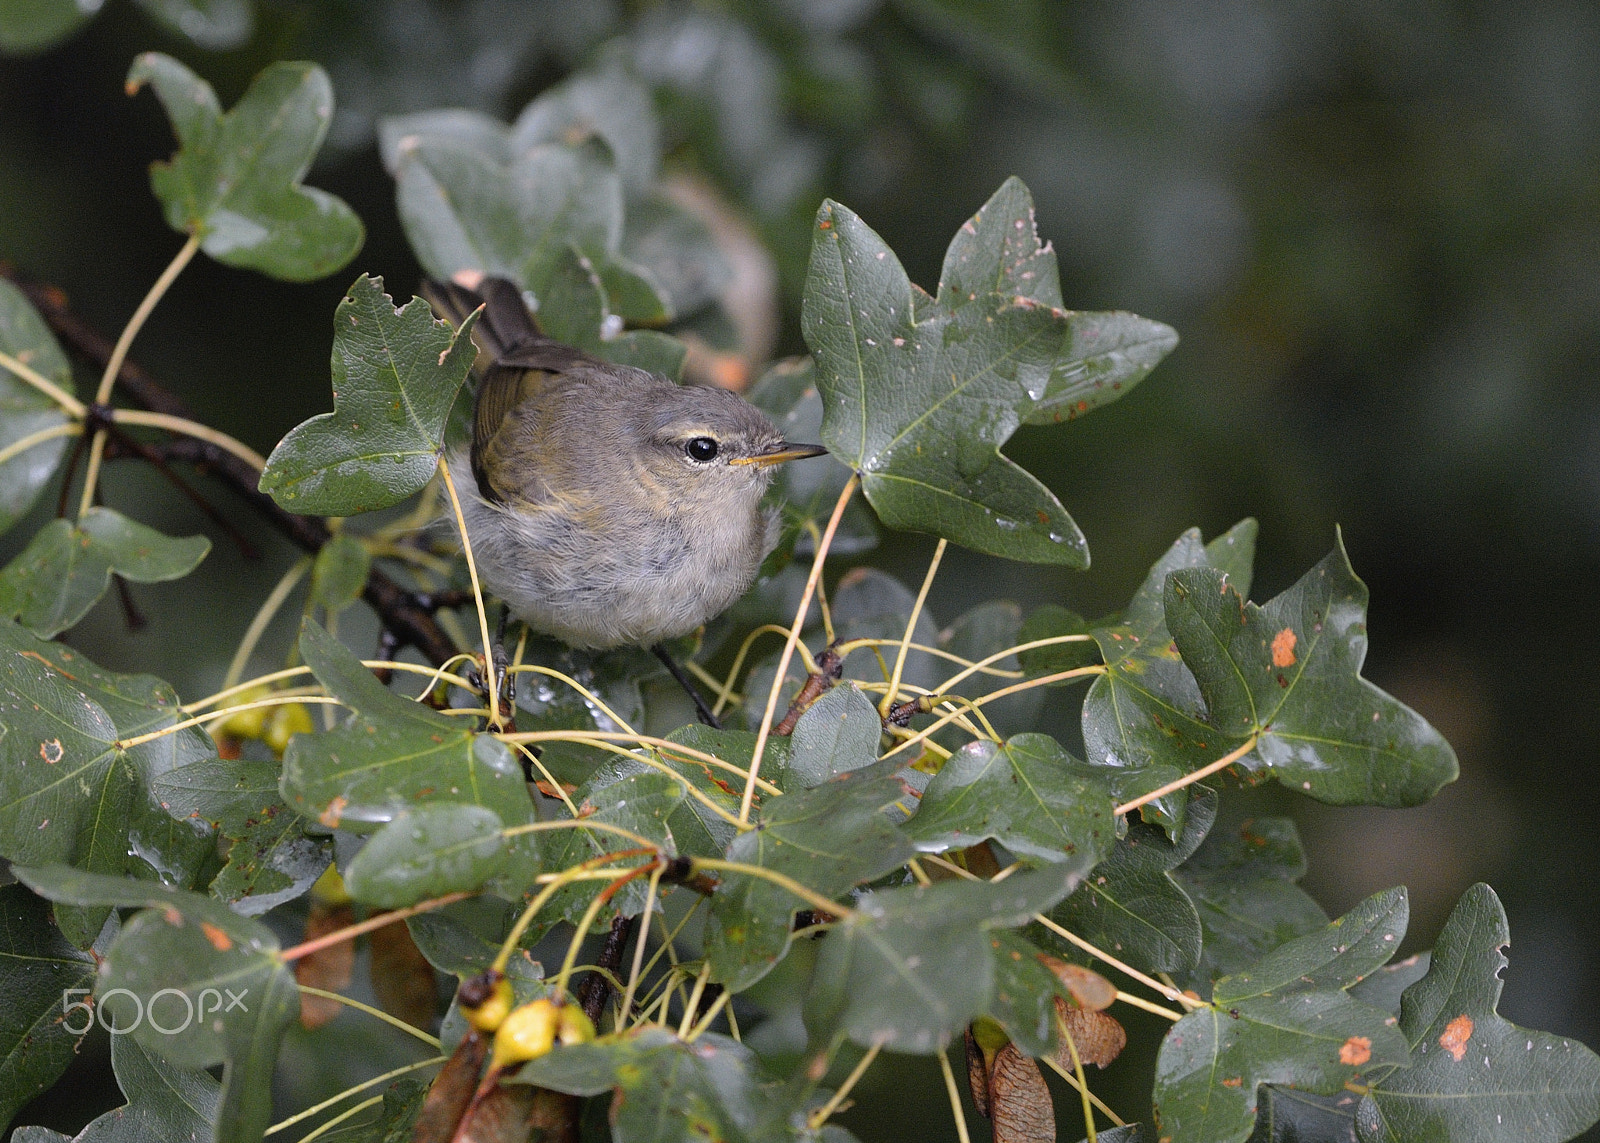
[1287,1019]
[235,179]
[1475,1077]
[919,393]
[1288,674]
[396,373]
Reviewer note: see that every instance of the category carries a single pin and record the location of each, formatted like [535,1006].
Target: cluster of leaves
[951,860]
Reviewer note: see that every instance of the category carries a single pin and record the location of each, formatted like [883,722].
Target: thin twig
[794,637]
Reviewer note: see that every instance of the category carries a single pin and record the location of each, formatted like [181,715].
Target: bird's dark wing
[514,360]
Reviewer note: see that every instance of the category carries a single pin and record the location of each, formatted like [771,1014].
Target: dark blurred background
[1375,226]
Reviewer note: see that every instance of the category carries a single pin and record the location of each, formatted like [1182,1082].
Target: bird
[608,505]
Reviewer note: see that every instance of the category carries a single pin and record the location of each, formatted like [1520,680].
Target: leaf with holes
[396,373]
[1475,1076]
[190,965]
[392,754]
[1144,720]
[23,409]
[1028,794]
[67,567]
[829,838]
[1288,673]
[1287,1020]
[235,179]
[1131,906]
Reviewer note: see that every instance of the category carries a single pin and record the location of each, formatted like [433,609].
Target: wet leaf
[1243,885]
[1475,1075]
[67,567]
[1131,906]
[396,373]
[392,754]
[23,409]
[643,803]
[913,966]
[271,859]
[40,973]
[427,852]
[1102,355]
[1284,1020]
[1289,672]
[1028,794]
[67,793]
[919,395]
[837,733]
[187,958]
[1144,719]
[235,179]
[829,838]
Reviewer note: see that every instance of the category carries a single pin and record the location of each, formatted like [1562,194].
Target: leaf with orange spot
[1475,1077]
[1288,674]
[1144,721]
[227,968]
[1455,1036]
[1287,1019]
[1355,1051]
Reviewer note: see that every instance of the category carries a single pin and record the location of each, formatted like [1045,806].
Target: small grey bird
[610,506]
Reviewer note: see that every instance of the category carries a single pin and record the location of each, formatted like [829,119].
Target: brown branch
[831,669]
[400,614]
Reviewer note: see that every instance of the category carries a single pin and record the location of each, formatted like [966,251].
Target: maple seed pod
[285,721]
[486,1000]
[576,1027]
[526,1034]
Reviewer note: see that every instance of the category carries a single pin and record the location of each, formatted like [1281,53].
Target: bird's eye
[701,449]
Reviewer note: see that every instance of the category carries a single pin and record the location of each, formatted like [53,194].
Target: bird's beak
[784,451]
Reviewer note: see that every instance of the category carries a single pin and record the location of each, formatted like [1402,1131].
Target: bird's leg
[700,708]
[504,683]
